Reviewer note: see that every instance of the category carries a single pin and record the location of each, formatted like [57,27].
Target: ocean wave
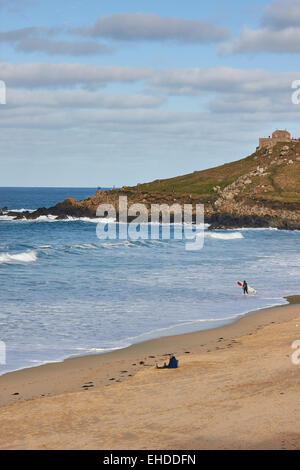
[97,220]
[21,210]
[42,218]
[117,244]
[257,229]
[45,218]
[84,246]
[6,217]
[94,220]
[18,258]
[132,243]
[178,328]
[224,236]
[102,350]
[53,218]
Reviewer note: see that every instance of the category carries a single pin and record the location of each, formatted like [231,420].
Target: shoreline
[227,322]
[260,223]
[236,388]
[119,365]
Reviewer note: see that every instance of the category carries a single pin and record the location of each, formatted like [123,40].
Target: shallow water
[65,292]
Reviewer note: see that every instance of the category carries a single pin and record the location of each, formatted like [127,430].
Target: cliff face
[258,191]
[270,191]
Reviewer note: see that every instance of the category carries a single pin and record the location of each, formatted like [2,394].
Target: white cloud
[45,74]
[32,39]
[220,80]
[193,81]
[251,94]
[280,31]
[23,33]
[43,87]
[55,113]
[151,27]
[121,26]
[282,14]
[265,40]
[62,47]
[276,105]
[78,99]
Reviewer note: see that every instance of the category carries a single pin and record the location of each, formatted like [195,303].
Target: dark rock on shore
[68,208]
[221,221]
[218,219]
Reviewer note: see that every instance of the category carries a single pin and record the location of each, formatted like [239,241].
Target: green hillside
[278,182]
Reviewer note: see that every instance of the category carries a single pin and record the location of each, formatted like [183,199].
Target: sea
[65,293]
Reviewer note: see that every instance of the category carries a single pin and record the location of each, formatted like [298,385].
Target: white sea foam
[224,236]
[21,210]
[103,350]
[97,220]
[42,218]
[6,217]
[120,244]
[53,218]
[84,246]
[257,229]
[94,220]
[46,218]
[18,258]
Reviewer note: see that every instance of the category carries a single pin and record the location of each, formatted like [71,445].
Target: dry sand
[236,388]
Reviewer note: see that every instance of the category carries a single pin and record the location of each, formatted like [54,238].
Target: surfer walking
[246,288]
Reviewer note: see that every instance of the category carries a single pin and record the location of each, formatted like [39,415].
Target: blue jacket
[173,363]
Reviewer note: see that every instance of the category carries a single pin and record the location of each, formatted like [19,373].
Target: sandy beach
[236,388]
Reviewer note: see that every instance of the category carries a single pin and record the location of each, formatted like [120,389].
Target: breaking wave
[53,218]
[224,236]
[18,258]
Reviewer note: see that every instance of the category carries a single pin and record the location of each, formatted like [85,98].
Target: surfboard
[250,289]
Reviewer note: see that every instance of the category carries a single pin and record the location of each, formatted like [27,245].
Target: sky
[127,92]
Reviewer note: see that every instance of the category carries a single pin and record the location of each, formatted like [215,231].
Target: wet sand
[236,387]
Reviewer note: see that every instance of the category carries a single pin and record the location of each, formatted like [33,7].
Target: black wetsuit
[245,287]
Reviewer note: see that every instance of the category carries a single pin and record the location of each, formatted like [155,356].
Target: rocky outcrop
[222,221]
[259,191]
[229,214]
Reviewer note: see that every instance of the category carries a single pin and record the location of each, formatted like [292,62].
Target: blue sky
[120,93]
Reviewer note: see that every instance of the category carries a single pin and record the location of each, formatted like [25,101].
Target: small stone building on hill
[277,136]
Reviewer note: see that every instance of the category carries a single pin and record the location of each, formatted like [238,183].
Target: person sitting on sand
[245,287]
[173,363]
